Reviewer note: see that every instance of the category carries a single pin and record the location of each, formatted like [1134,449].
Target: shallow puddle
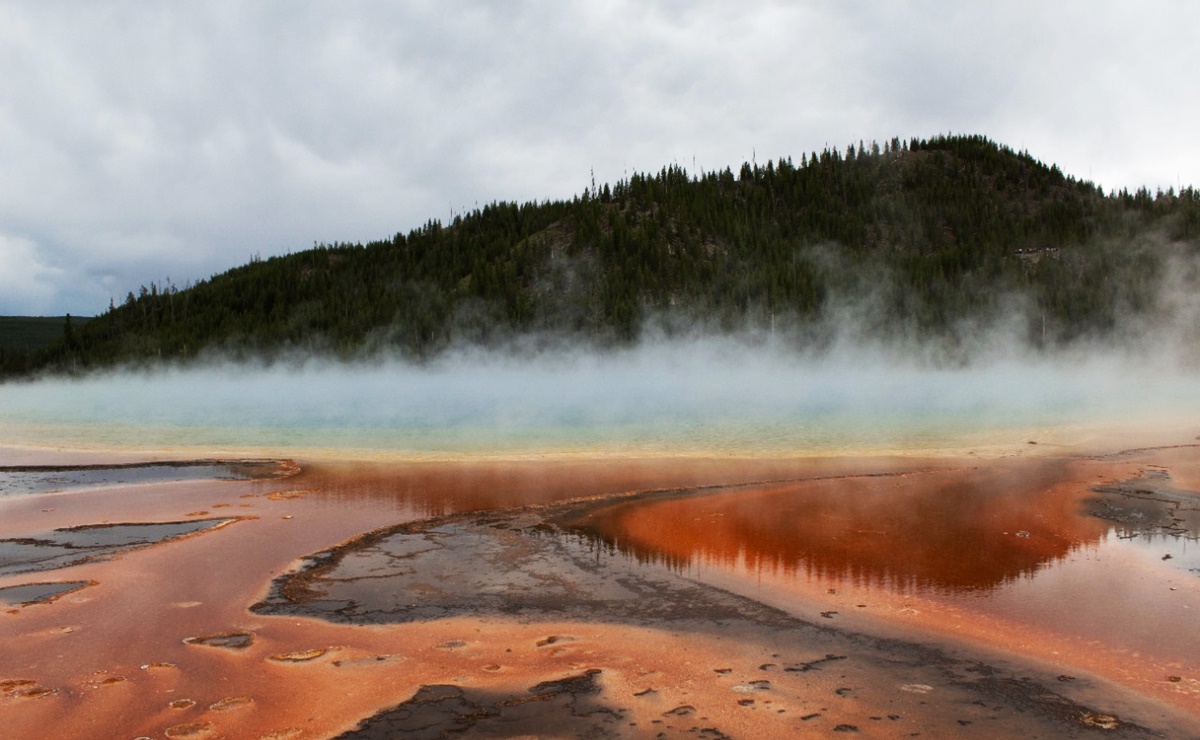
[61,548]
[36,593]
[948,531]
[34,479]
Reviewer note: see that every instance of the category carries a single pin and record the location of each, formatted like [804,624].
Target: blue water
[681,398]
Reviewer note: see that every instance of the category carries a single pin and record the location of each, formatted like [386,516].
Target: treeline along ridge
[925,239]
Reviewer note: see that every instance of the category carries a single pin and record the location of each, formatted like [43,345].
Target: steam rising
[713,396]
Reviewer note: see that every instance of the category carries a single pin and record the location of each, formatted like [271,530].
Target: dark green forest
[927,239]
[25,334]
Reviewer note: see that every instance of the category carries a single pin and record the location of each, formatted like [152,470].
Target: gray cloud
[146,140]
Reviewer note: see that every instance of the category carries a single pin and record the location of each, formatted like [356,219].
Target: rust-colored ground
[618,598]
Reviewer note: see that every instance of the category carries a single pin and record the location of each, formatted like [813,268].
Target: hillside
[925,239]
[21,336]
[28,333]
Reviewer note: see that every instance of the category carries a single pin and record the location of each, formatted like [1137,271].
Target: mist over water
[717,396]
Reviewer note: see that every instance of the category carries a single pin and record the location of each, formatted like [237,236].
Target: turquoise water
[677,399]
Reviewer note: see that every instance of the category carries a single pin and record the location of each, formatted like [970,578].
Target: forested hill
[924,238]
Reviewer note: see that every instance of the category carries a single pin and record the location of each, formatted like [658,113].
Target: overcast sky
[141,141]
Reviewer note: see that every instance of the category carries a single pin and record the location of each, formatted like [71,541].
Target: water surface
[694,398]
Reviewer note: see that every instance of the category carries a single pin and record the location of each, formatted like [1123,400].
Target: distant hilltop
[920,240]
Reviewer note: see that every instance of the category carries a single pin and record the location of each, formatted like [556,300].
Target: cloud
[27,285]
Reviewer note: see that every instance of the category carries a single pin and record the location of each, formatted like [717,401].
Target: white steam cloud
[696,396]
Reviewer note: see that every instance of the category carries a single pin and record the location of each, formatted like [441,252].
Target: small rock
[1103,721]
